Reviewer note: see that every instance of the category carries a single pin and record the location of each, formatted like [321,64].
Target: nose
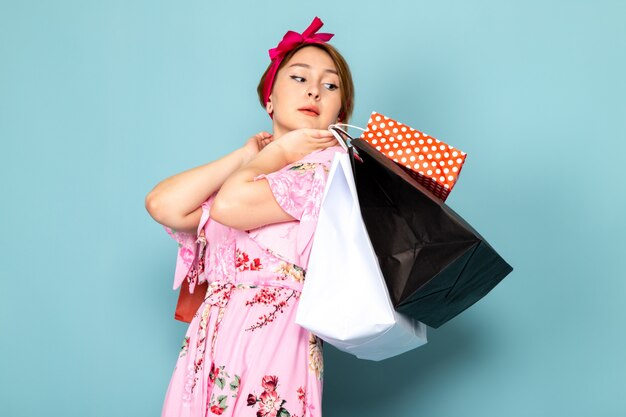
[313,92]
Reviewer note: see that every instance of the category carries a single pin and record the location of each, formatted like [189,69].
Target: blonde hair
[346,86]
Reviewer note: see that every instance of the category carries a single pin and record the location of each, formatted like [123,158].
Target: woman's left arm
[245,204]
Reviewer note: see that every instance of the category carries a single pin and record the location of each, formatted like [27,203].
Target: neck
[278,129]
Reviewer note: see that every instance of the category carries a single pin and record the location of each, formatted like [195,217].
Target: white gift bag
[344,300]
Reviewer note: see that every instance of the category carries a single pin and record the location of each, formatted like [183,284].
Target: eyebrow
[297,64]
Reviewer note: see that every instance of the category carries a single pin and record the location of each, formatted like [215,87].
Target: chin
[317,123]
[308,124]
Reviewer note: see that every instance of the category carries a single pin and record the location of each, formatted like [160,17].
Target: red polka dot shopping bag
[432,163]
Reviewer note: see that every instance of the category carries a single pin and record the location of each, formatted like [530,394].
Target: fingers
[263,138]
[319,133]
[321,138]
[329,142]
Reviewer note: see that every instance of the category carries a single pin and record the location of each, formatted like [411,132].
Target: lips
[310,110]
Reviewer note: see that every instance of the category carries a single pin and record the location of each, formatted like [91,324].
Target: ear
[269,107]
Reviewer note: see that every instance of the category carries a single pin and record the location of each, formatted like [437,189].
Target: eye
[297,78]
[331,86]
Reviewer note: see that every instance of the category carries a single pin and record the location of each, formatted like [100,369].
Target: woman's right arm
[176,201]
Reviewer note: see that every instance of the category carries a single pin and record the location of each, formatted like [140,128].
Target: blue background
[99,101]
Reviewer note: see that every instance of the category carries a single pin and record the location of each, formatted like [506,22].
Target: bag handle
[336,125]
[344,138]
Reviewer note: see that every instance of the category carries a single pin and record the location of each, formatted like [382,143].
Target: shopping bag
[344,299]
[434,263]
[431,162]
[189,303]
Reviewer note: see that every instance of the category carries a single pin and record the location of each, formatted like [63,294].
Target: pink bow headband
[290,41]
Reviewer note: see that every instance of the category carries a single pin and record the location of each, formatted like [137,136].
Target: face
[306,92]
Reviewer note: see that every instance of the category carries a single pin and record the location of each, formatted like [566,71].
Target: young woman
[245,224]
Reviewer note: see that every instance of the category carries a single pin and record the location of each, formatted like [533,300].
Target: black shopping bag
[434,263]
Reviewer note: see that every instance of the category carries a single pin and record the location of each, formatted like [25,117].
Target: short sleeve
[190,246]
[299,189]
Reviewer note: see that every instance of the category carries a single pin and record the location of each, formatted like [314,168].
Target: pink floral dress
[243,354]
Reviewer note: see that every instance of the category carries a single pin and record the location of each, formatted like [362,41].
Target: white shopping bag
[344,300]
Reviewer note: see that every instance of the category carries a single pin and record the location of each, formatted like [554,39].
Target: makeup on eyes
[328,86]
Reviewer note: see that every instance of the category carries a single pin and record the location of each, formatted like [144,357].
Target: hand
[255,144]
[298,143]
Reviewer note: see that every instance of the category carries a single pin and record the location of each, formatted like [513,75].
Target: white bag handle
[338,131]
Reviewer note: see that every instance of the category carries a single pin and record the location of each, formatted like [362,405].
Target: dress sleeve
[190,250]
[298,188]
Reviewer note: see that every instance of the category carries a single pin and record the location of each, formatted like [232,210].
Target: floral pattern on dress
[306,406]
[294,199]
[200,346]
[275,297]
[269,402]
[302,395]
[243,262]
[303,166]
[316,358]
[218,294]
[288,270]
[220,256]
[184,347]
[186,246]
[196,258]
[218,378]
